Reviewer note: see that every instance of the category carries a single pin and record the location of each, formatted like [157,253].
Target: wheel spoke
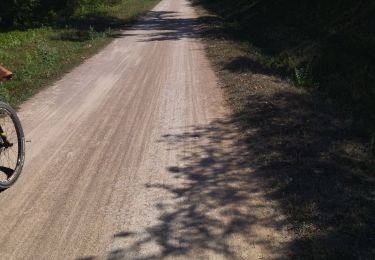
[9,155]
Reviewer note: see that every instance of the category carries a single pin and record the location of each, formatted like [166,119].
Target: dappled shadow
[154,26]
[292,150]
[163,26]
[169,26]
[292,153]
[319,170]
[218,205]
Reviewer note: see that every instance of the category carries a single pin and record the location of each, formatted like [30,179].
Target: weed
[4,93]
[303,76]
[92,33]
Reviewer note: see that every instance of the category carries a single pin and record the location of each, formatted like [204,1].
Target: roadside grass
[41,55]
[311,155]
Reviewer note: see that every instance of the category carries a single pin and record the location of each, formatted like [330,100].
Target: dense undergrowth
[298,78]
[41,43]
[23,14]
[327,46]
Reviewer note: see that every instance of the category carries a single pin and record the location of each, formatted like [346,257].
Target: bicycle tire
[13,176]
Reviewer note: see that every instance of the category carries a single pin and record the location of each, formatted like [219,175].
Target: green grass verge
[306,152]
[39,56]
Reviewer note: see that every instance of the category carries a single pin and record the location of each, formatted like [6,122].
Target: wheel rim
[9,155]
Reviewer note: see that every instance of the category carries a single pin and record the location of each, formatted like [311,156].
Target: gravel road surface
[133,156]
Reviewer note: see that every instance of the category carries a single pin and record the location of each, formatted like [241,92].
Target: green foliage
[29,13]
[337,39]
[17,13]
[4,93]
[303,76]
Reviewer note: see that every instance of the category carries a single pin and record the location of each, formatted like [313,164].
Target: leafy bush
[337,39]
[303,76]
[17,13]
[27,13]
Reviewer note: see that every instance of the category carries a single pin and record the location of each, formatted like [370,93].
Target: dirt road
[132,156]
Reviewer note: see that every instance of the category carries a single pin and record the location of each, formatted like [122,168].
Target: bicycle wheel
[12,146]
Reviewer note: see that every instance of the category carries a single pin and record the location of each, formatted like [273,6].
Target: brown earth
[133,156]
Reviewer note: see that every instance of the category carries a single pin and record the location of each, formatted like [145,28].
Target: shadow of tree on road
[220,199]
[304,153]
[166,26]
[282,158]
[282,150]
